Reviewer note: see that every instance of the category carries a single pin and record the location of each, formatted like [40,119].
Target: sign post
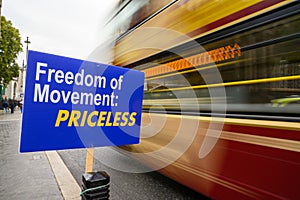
[89,161]
[71,103]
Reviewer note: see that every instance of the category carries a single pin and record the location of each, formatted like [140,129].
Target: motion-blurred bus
[221,106]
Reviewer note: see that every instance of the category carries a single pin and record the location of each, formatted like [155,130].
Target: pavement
[38,175]
[45,175]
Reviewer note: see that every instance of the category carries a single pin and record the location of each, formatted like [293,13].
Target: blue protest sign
[71,103]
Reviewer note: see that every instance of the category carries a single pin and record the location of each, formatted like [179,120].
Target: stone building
[15,88]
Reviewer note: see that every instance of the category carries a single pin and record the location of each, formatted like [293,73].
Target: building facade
[15,88]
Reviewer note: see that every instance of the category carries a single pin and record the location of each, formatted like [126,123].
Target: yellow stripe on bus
[247,82]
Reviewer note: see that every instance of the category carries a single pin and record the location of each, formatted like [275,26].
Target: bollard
[95,186]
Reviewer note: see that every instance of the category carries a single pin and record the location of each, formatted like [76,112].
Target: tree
[10,47]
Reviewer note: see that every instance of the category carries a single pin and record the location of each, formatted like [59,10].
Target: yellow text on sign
[94,118]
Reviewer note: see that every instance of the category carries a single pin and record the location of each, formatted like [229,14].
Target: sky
[72,28]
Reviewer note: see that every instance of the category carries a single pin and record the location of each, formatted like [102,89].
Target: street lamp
[27,42]
[24,66]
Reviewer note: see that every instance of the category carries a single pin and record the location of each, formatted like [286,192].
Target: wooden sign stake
[89,160]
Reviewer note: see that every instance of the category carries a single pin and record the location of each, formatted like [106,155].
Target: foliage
[10,47]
